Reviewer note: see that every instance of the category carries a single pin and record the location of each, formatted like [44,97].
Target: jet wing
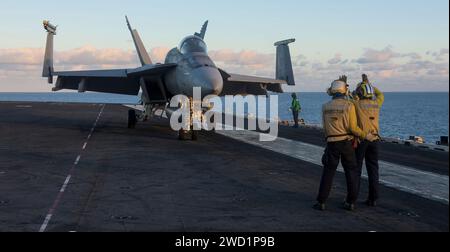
[117,81]
[150,70]
[237,84]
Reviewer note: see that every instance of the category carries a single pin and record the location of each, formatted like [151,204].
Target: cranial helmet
[338,87]
[365,91]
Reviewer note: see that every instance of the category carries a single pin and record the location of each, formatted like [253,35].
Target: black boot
[320,206]
[371,203]
[349,206]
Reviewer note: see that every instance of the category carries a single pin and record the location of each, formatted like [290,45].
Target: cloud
[390,69]
[244,57]
[442,52]
[89,55]
[21,68]
[300,60]
[21,56]
[82,56]
[440,55]
[377,56]
[414,56]
[371,56]
[158,54]
[337,59]
[245,62]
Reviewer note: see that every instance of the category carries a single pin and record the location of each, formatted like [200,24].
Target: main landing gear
[132,119]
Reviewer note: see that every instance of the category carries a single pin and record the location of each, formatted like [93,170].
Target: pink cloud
[373,56]
[386,73]
[158,54]
[21,56]
[23,65]
[89,55]
[84,56]
[377,56]
[244,57]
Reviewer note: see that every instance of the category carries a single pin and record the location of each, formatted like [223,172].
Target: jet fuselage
[194,69]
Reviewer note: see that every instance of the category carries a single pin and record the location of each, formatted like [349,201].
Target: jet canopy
[193,44]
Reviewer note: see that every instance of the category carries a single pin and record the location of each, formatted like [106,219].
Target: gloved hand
[343,78]
[371,137]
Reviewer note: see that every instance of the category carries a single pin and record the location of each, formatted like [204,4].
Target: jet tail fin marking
[284,63]
[140,48]
[48,70]
[203,30]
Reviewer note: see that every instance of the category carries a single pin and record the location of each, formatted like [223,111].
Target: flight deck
[78,168]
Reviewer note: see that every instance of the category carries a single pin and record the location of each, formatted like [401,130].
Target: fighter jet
[186,67]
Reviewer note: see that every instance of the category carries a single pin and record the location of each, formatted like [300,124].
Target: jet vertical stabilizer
[140,48]
[48,70]
[284,63]
[203,30]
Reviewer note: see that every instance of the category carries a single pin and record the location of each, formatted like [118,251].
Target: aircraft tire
[132,120]
[181,135]
[194,135]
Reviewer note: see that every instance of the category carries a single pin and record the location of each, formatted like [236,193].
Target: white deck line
[425,184]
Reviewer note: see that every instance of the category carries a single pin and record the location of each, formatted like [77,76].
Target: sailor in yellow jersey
[341,128]
[368,103]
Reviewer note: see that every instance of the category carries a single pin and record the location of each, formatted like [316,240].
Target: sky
[403,45]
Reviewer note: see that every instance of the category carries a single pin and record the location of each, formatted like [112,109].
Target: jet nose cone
[210,80]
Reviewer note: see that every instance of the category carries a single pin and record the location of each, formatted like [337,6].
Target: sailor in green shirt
[296,108]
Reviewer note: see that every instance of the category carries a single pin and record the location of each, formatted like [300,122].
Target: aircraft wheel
[194,135]
[132,120]
[182,135]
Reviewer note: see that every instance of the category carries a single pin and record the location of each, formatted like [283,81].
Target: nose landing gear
[188,135]
[191,134]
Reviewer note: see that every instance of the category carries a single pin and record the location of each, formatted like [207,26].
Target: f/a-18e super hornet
[186,67]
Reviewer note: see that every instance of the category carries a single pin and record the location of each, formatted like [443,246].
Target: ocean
[403,114]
